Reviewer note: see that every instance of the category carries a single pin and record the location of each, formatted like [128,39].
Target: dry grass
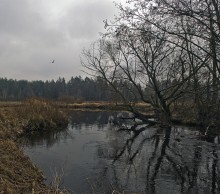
[10,125]
[100,105]
[184,113]
[17,172]
[40,115]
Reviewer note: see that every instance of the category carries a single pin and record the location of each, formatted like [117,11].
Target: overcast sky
[35,32]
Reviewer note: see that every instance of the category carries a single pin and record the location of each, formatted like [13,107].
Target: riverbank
[93,105]
[17,172]
[181,114]
[185,116]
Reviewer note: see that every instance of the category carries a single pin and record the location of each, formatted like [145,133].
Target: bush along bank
[41,115]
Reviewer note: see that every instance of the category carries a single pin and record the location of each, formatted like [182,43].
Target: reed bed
[41,115]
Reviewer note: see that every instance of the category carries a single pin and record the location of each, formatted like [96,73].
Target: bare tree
[166,49]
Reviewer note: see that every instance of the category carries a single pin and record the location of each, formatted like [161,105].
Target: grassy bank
[40,115]
[182,114]
[103,105]
[93,105]
[17,172]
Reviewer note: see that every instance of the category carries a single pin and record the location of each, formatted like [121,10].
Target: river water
[98,154]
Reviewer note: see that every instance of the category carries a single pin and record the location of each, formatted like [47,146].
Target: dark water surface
[93,155]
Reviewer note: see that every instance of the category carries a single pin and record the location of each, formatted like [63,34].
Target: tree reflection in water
[150,159]
[131,156]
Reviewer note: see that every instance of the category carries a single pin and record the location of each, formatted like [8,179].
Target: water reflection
[48,138]
[107,152]
[169,160]
[78,119]
[82,119]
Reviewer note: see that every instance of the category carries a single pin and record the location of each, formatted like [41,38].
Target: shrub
[40,115]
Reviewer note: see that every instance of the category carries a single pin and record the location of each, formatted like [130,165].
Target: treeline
[76,89]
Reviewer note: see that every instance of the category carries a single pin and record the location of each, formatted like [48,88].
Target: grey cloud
[30,39]
[85,20]
[17,18]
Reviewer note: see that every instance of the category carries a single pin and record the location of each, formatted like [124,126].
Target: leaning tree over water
[168,50]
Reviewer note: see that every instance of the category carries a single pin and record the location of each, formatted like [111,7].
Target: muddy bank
[17,172]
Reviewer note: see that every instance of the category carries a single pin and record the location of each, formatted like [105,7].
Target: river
[98,154]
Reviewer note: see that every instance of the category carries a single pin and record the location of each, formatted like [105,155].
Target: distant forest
[76,89]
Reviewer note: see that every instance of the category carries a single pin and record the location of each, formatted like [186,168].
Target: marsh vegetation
[18,173]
